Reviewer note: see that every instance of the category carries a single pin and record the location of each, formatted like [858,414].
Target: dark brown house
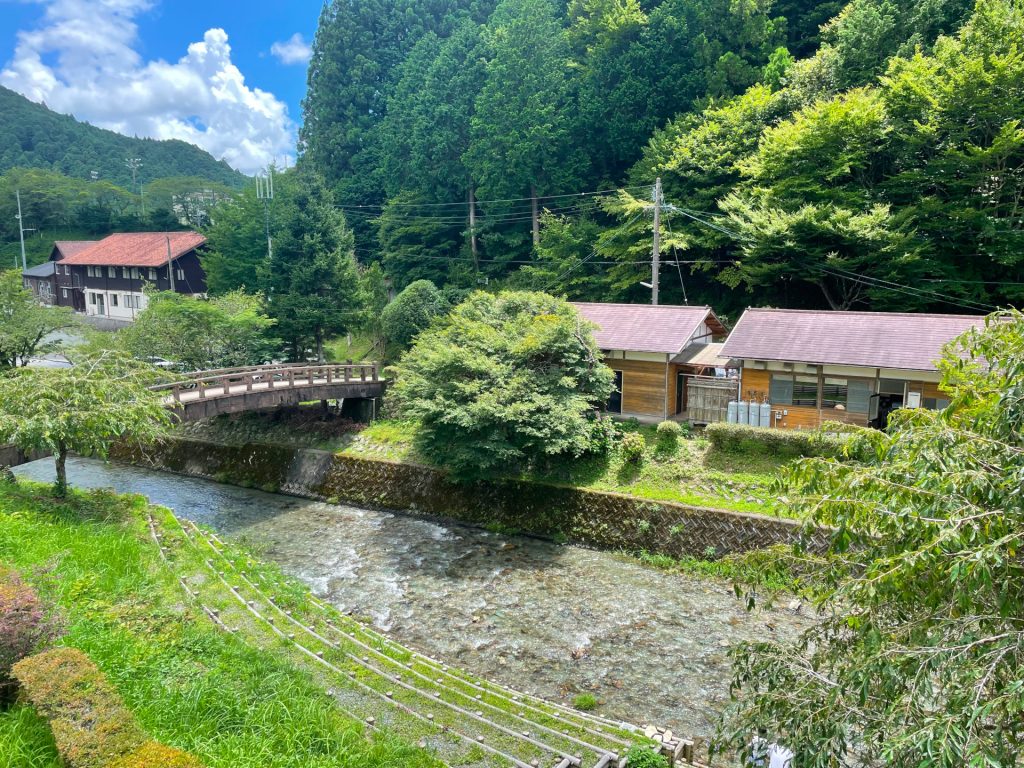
[40,280]
[106,278]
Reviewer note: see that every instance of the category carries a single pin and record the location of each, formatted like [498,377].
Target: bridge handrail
[298,375]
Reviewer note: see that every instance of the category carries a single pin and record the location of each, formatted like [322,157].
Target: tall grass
[190,686]
[25,740]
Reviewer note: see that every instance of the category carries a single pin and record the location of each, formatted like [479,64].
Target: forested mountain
[865,155]
[32,136]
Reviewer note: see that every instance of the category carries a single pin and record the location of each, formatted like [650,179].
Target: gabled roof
[646,328]
[866,339]
[46,269]
[64,248]
[137,249]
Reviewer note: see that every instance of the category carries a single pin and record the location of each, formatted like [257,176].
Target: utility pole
[472,229]
[536,218]
[170,263]
[133,164]
[265,192]
[656,261]
[21,231]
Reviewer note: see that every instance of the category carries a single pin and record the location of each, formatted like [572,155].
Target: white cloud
[294,50]
[82,61]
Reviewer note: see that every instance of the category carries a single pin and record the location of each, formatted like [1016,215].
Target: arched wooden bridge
[205,394]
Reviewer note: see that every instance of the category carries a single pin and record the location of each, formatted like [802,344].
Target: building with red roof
[106,278]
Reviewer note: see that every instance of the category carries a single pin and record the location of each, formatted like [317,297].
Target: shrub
[603,434]
[90,725]
[752,441]
[585,702]
[645,757]
[24,625]
[668,436]
[633,447]
[152,754]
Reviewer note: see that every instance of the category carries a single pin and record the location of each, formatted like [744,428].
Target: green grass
[771,569]
[25,740]
[338,349]
[690,473]
[585,702]
[189,685]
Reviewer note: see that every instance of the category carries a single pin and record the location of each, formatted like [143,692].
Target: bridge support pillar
[360,409]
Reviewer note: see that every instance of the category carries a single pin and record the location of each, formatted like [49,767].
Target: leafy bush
[24,625]
[645,757]
[152,754]
[585,702]
[501,383]
[603,434]
[412,311]
[830,440]
[668,436]
[633,447]
[90,725]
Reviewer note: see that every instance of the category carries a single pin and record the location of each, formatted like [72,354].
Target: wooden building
[653,351]
[40,280]
[853,367]
[106,278]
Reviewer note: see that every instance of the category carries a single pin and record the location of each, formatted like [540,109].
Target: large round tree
[503,381]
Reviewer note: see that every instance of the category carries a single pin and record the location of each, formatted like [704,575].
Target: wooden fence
[707,398]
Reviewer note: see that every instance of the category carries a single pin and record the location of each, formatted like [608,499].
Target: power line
[465,204]
[907,290]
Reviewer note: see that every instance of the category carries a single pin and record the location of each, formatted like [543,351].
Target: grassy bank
[690,473]
[190,685]
[221,655]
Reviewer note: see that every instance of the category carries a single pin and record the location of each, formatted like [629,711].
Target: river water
[554,620]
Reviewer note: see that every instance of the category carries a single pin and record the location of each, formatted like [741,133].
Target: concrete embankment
[12,456]
[592,518]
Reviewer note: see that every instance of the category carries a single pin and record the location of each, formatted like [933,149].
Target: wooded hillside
[32,136]
[866,155]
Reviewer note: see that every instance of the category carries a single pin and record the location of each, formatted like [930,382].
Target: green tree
[503,381]
[312,282]
[199,334]
[413,310]
[26,325]
[83,409]
[521,141]
[917,655]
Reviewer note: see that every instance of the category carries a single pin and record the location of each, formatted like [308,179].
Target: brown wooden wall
[644,391]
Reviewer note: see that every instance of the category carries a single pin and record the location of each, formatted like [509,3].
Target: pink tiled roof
[71,247]
[646,328]
[867,339]
[137,249]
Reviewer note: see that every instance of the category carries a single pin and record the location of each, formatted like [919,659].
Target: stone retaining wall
[12,456]
[603,520]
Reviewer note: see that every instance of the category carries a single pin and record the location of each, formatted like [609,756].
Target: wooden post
[330,374]
[227,385]
[176,392]
[348,373]
[362,373]
[248,382]
[656,252]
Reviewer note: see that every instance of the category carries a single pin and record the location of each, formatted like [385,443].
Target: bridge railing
[223,382]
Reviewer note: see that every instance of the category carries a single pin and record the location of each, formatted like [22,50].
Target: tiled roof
[71,247]
[137,249]
[868,339]
[643,327]
[46,269]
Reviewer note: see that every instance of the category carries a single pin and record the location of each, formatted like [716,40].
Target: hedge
[90,724]
[747,440]
[25,623]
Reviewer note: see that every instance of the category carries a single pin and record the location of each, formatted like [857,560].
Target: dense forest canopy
[32,136]
[866,155]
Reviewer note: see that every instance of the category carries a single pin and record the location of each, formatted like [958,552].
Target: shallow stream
[555,620]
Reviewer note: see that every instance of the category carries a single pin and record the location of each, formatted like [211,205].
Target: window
[136,274]
[64,292]
[151,275]
[935,403]
[67,270]
[846,394]
[113,299]
[892,386]
[125,274]
[179,274]
[112,273]
[92,298]
[787,389]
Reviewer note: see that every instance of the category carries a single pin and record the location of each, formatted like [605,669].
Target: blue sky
[127,65]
